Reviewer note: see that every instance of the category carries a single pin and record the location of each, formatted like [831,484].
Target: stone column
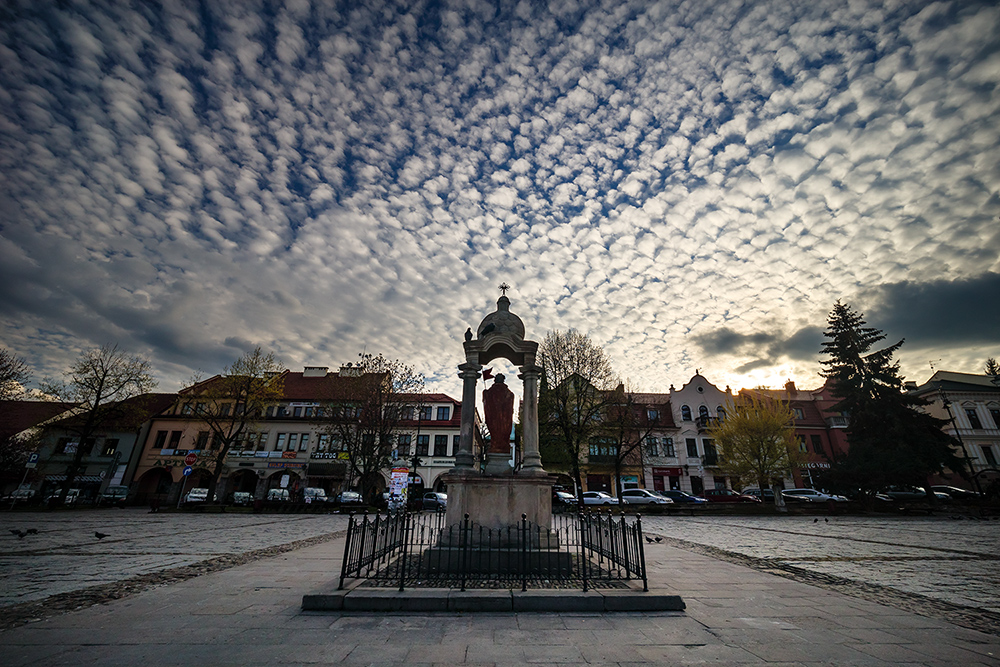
[532,463]
[464,460]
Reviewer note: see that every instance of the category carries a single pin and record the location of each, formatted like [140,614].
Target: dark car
[767,496]
[728,496]
[909,494]
[681,497]
[956,493]
[433,500]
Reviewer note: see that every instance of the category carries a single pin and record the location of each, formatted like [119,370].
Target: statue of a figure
[498,402]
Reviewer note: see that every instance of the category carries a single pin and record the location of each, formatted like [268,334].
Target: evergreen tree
[891,440]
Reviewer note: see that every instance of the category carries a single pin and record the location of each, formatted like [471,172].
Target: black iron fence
[418,550]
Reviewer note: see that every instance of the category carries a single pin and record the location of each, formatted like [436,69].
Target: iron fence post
[406,542]
[463,541]
[642,551]
[524,552]
[347,551]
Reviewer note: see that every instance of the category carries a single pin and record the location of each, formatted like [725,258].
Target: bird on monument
[468,334]
[489,328]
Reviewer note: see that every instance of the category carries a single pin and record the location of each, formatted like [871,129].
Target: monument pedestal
[499,502]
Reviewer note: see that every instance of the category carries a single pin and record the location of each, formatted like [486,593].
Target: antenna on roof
[932,362]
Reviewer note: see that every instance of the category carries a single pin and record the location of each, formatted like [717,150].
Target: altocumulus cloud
[691,184]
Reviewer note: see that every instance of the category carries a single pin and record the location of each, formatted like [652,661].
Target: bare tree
[13,374]
[576,389]
[369,413]
[101,383]
[231,404]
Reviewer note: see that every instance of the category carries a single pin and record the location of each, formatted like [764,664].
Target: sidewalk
[251,615]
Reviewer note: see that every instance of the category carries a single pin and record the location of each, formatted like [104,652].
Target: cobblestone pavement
[953,561]
[65,555]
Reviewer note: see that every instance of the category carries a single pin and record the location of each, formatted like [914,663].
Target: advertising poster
[397,488]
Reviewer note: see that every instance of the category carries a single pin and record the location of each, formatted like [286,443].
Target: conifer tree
[891,440]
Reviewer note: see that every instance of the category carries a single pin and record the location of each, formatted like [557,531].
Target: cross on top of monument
[503,287]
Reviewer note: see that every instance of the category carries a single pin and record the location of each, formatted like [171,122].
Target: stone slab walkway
[250,615]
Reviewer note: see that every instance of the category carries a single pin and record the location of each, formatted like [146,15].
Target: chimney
[350,371]
[790,387]
[315,371]
[910,385]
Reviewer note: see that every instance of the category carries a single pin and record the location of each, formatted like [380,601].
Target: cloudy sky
[692,184]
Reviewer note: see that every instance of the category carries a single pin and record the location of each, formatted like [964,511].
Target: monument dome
[502,320]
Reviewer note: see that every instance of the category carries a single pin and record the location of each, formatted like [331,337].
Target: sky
[691,184]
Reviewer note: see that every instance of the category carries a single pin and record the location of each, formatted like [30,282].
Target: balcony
[837,422]
[706,423]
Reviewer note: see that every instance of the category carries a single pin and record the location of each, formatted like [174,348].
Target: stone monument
[497,497]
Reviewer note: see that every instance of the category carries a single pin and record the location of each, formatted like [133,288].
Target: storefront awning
[326,470]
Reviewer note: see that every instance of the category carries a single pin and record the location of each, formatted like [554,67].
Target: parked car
[563,498]
[20,496]
[727,496]
[644,497]
[910,494]
[72,497]
[113,495]
[767,496]
[681,497]
[350,498]
[242,498]
[279,495]
[434,500]
[196,495]
[809,496]
[956,493]
[313,494]
[598,498]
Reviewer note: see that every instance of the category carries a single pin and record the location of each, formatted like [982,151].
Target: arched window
[685,413]
[703,411]
[722,413]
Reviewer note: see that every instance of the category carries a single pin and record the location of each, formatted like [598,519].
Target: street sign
[188,470]
[32,460]
[190,459]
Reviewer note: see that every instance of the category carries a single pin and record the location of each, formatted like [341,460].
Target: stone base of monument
[499,502]
[507,561]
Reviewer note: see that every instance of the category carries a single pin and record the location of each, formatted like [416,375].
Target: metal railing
[419,550]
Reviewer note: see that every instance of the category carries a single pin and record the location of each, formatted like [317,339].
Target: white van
[314,494]
[278,494]
[198,495]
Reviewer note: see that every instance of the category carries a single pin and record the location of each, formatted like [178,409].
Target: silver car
[644,497]
[598,498]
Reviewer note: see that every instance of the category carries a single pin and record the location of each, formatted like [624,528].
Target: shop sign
[442,462]
[262,455]
[275,455]
[323,455]
[283,464]
[288,455]
[815,464]
[668,472]
[166,452]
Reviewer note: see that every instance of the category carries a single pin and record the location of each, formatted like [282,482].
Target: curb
[431,600]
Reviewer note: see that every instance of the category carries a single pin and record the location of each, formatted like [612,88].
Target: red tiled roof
[16,416]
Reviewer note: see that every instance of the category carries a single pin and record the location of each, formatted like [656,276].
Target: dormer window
[444,413]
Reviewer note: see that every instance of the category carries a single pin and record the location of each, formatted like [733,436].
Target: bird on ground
[14,531]
[815,520]
[31,531]
[826,520]
[100,535]
[20,535]
[659,539]
[649,539]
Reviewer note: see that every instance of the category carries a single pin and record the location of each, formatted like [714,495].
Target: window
[279,444]
[403,445]
[336,443]
[802,443]
[425,413]
[973,418]
[110,447]
[322,443]
[995,413]
[423,441]
[668,447]
[798,413]
[444,413]
[652,446]
[304,443]
[225,408]
[215,441]
[282,411]
[456,443]
[187,409]
[270,411]
[66,446]
[722,413]
[161,440]
[711,456]
[311,412]
[440,445]
[601,448]
[297,411]
[685,413]
[261,441]
[175,440]
[703,412]
[991,460]
[652,415]
[692,447]
[817,443]
[202,442]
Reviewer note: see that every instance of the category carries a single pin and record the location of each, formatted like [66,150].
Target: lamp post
[958,436]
